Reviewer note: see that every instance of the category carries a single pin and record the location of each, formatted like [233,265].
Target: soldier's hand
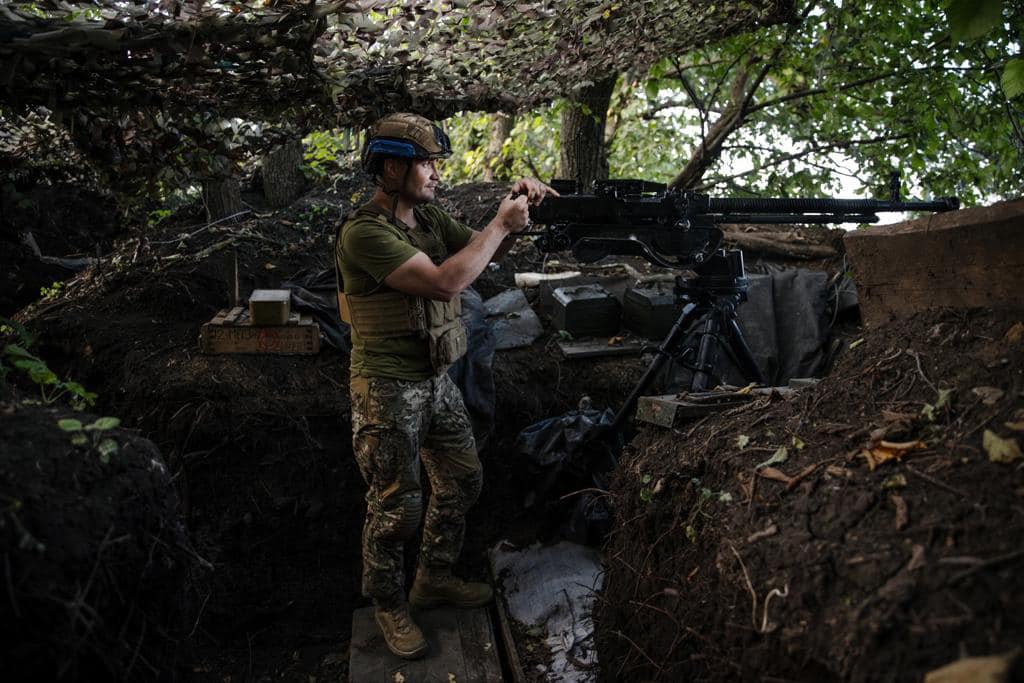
[513,213]
[534,190]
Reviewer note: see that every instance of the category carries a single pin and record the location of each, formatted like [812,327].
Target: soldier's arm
[420,277]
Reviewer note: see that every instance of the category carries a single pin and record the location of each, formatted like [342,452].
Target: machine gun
[679,230]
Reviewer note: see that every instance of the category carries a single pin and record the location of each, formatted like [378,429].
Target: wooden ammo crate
[232,331]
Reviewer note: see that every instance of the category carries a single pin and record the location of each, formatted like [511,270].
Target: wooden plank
[599,347]
[233,315]
[508,639]
[959,259]
[219,318]
[282,340]
[461,645]
[670,410]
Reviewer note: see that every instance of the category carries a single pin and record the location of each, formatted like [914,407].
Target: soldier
[402,262]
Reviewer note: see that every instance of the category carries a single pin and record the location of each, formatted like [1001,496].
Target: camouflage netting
[133,79]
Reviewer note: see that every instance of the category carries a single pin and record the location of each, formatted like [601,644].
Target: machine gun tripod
[709,306]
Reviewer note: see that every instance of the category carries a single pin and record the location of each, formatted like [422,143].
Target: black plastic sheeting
[786,322]
[573,454]
[316,292]
[474,372]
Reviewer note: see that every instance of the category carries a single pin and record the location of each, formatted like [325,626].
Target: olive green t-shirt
[369,247]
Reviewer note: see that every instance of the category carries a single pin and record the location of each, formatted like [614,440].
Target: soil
[66,220]
[96,557]
[259,449]
[874,574]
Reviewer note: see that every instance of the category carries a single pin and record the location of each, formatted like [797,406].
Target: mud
[717,572]
[97,563]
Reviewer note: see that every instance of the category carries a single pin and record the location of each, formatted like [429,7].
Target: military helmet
[406,136]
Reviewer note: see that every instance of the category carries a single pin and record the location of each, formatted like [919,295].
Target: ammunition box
[270,307]
[651,310]
[586,311]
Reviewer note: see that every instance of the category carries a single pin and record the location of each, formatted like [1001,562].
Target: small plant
[157,216]
[51,387]
[93,435]
[646,494]
[51,292]
[314,212]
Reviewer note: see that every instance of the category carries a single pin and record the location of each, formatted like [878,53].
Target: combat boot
[441,588]
[401,633]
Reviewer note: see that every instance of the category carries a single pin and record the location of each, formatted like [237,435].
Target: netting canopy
[363,56]
[141,77]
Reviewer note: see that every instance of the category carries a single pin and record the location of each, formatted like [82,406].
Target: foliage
[93,435]
[176,92]
[532,145]
[51,388]
[53,291]
[873,86]
[328,153]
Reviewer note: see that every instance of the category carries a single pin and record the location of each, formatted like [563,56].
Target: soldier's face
[423,179]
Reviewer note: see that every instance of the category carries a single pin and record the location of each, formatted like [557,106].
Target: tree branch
[817,91]
[811,149]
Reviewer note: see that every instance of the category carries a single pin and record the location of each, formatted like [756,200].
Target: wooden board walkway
[462,649]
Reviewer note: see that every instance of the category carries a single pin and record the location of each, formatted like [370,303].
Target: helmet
[406,136]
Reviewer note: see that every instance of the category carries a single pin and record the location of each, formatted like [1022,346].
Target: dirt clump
[859,531]
[96,557]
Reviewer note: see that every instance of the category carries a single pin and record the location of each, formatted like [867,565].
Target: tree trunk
[222,197]
[282,173]
[584,155]
[497,164]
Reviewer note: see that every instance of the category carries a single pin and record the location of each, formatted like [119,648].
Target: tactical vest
[383,315]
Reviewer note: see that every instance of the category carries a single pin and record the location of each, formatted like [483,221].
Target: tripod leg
[745,359]
[707,354]
[665,351]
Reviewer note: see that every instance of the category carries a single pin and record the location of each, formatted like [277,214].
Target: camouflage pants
[394,423]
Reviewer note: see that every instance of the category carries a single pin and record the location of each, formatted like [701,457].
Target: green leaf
[70,425]
[79,439]
[106,448]
[41,374]
[895,481]
[15,351]
[104,423]
[971,19]
[1013,78]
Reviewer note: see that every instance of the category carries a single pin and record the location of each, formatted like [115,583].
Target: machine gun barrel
[797,207]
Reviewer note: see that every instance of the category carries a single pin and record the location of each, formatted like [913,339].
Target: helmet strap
[396,192]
